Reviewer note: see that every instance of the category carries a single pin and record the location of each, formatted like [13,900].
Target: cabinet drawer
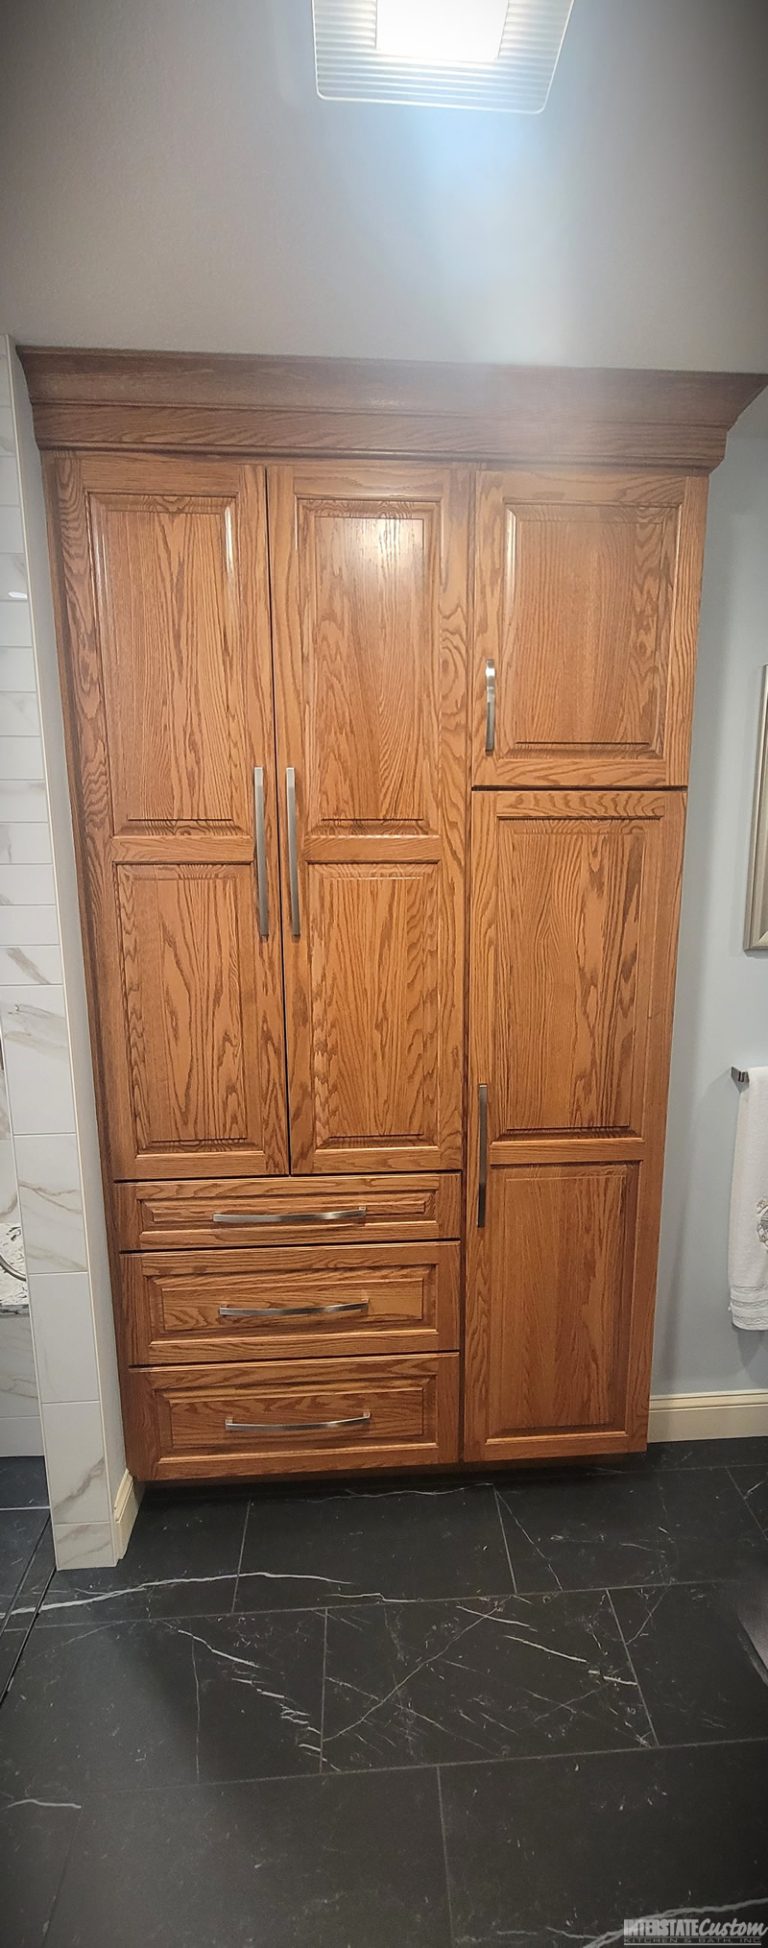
[297,1418]
[243,1211]
[188,1305]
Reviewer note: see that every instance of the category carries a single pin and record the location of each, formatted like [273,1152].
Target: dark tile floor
[419,1714]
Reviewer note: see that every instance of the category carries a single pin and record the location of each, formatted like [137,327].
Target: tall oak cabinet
[377,687]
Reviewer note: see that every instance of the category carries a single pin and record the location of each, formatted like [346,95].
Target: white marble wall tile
[66,1358]
[23,884]
[15,624]
[51,1206]
[13,575]
[36,1046]
[9,482]
[22,802]
[7,442]
[11,531]
[25,845]
[5,381]
[28,926]
[18,1387]
[74,1451]
[9,1195]
[21,1434]
[17,666]
[21,757]
[40,966]
[84,1545]
[19,714]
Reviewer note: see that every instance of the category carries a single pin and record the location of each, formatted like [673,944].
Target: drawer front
[242,1211]
[234,1305]
[326,1416]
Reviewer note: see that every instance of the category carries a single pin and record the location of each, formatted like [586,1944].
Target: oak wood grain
[176,1420]
[156,1215]
[369,613]
[586,600]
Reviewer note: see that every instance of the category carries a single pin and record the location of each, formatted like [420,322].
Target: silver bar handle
[290,1311]
[261,851]
[293,855]
[490,708]
[356,1214]
[482,1182]
[293,1426]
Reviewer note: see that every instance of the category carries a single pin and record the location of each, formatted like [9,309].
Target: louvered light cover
[349,66]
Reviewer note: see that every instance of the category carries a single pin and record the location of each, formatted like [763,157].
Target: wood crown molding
[186,402]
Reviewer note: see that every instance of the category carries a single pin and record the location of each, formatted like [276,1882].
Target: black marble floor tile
[752,1450]
[137,1704]
[694,1662]
[684,1525]
[23,1608]
[752,1483]
[298,1863]
[22,1482]
[181,1560]
[416,1542]
[430,1683]
[569,1847]
[20,1531]
[34,1845]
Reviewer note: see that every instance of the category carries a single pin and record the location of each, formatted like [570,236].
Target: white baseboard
[708,1416]
[125,1511]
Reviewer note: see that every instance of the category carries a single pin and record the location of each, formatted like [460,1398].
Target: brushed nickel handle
[482,1184]
[356,1214]
[490,707]
[261,851]
[290,1311]
[292,1426]
[293,855]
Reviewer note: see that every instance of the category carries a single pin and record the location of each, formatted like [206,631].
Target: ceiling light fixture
[493,54]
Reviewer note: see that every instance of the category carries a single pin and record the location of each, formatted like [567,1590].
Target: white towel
[748,1239]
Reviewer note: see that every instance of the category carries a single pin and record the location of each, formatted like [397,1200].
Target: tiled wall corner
[49,1082]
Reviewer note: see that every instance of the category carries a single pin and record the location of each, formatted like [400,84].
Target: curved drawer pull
[290,1311]
[292,1426]
[356,1214]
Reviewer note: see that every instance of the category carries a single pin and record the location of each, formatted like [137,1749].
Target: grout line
[240,1557]
[745,1499]
[497,1500]
[631,1663]
[322,1693]
[451,1929]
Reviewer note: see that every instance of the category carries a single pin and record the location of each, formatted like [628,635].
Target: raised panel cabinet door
[369,575]
[586,611]
[572,958]
[164,627]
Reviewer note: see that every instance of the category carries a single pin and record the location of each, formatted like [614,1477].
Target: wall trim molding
[125,1509]
[708,1416]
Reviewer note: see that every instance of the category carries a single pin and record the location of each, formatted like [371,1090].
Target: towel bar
[740,1075]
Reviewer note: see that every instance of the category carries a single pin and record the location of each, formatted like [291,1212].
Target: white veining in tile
[36,1046]
[9,1194]
[13,576]
[61,1306]
[84,1545]
[17,668]
[15,623]
[19,714]
[21,757]
[11,532]
[28,926]
[26,885]
[40,966]
[18,1388]
[22,803]
[51,1206]
[74,1449]
[21,1434]
[25,845]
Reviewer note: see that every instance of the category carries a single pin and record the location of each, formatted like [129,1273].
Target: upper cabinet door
[586,612]
[369,568]
[163,590]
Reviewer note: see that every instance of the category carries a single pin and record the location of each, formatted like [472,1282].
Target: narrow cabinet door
[369,568]
[164,613]
[572,959]
[586,610]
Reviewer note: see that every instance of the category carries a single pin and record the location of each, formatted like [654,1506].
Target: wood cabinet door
[369,567]
[572,955]
[586,612]
[165,624]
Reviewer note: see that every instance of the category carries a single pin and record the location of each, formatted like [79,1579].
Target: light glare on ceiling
[453,33]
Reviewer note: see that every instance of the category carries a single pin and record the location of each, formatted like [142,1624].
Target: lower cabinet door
[292,1417]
